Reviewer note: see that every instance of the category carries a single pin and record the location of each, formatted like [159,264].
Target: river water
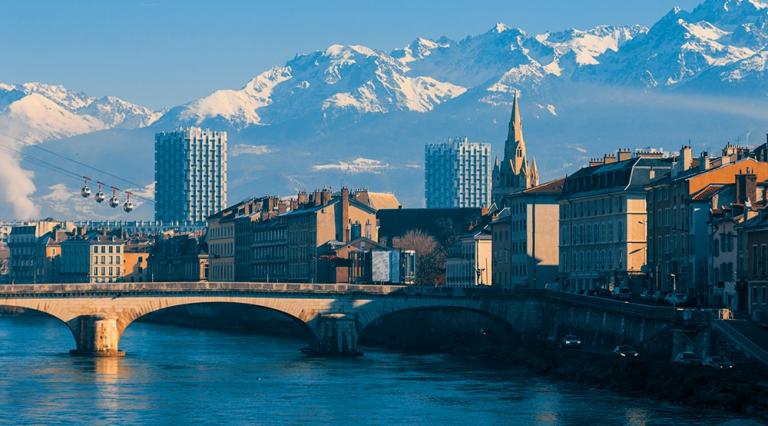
[174,375]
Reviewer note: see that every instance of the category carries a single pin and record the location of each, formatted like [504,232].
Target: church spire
[514,147]
[534,174]
[515,124]
[514,173]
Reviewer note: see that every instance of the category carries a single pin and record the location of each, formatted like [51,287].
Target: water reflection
[637,416]
[175,375]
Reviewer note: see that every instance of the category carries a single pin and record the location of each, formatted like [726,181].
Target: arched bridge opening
[227,317]
[439,329]
[25,330]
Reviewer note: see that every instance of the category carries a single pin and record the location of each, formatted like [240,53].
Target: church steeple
[514,147]
[514,173]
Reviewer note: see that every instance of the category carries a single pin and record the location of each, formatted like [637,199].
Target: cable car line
[85,191]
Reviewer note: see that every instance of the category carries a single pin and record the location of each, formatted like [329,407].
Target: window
[754,260]
[763,259]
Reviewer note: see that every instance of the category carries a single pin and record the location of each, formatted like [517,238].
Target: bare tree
[430,256]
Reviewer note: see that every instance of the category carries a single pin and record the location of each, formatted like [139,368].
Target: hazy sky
[163,53]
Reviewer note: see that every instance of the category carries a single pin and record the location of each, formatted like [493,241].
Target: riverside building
[603,220]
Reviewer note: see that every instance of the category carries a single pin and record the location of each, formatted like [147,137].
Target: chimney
[624,154]
[595,162]
[686,158]
[361,195]
[704,163]
[302,198]
[316,198]
[345,229]
[746,187]
[325,196]
[609,158]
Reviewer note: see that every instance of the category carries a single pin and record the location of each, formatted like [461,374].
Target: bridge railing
[201,286]
[208,286]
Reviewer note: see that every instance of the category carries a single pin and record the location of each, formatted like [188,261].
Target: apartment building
[603,220]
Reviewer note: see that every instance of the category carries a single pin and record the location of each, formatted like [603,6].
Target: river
[174,375]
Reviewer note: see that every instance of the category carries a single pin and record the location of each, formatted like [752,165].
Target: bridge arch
[41,308]
[371,312]
[498,323]
[308,333]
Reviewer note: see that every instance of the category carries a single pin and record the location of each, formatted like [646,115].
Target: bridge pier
[336,336]
[95,336]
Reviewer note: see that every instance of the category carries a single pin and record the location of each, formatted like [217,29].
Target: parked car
[689,358]
[626,351]
[570,341]
[659,296]
[719,362]
[647,295]
[621,293]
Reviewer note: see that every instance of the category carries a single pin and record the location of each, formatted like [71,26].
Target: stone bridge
[334,315]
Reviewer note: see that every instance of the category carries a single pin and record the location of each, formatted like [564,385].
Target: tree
[430,256]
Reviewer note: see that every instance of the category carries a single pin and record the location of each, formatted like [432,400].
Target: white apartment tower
[457,174]
[190,174]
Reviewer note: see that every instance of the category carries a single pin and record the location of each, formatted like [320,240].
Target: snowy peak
[115,112]
[420,49]
[110,111]
[338,80]
[38,111]
[238,108]
[683,46]
[35,117]
[588,45]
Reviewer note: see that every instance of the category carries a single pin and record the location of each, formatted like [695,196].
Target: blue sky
[163,53]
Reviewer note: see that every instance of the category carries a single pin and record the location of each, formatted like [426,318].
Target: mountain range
[352,115]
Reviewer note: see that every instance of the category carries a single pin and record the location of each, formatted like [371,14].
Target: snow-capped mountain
[337,80]
[36,111]
[723,37]
[359,116]
[417,78]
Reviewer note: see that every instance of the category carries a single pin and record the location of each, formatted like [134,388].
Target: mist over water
[187,376]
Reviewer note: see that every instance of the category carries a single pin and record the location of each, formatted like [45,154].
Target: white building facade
[190,175]
[457,174]
[106,260]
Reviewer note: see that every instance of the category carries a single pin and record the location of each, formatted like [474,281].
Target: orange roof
[707,192]
[383,200]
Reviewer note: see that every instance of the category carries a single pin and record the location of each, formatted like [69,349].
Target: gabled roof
[358,243]
[552,187]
